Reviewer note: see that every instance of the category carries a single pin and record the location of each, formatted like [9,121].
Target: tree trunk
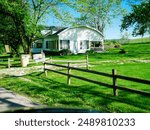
[22,34]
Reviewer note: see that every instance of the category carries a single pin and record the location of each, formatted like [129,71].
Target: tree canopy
[8,34]
[98,13]
[26,17]
[139,18]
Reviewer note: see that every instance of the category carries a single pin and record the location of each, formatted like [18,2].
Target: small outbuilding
[78,39]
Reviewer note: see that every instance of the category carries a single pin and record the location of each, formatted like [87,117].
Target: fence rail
[71,61]
[133,79]
[8,60]
[85,61]
[114,77]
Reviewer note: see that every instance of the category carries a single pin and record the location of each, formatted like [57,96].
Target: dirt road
[10,100]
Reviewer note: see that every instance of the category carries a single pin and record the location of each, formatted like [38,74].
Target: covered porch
[97,46]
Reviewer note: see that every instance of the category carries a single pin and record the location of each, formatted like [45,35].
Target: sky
[111,32]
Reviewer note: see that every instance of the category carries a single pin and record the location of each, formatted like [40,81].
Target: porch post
[58,44]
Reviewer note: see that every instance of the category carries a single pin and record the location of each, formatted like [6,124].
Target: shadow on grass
[84,91]
[51,92]
[5,56]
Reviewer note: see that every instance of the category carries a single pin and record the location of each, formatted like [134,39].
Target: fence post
[51,59]
[45,71]
[69,71]
[8,62]
[114,82]
[87,62]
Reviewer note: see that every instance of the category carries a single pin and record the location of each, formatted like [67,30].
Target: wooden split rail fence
[8,61]
[85,62]
[114,77]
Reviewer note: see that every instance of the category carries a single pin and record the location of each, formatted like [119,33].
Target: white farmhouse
[78,39]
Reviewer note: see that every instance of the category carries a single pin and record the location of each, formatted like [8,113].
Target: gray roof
[53,30]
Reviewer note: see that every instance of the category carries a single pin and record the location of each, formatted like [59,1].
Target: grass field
[54,91]
[140,40]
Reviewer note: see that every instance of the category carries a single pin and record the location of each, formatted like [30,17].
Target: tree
[8,34]
[27,15]
[98,13]
[139,18]
[124,38]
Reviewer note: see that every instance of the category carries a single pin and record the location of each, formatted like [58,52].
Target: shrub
[90,52]
[65,52]
[117,45]
[122,51]
[51,53]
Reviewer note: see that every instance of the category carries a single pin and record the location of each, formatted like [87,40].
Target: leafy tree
[139,18]
[124,38]
[2,50]
[8,34]
[98,13]
[27,15]
[15,11]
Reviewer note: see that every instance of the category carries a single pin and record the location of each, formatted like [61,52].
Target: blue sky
[112,31]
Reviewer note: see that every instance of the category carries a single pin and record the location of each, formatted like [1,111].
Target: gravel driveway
[10,100]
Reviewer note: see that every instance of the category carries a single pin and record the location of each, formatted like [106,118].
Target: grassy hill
[134,40]
[139,40]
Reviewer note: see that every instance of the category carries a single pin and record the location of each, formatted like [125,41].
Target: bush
[112,43]
[117,45]
[90,52]
[65,52]
[51,53]
[122,51]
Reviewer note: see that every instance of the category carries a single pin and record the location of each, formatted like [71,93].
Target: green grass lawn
[140,40]
[54,91]
[15,62]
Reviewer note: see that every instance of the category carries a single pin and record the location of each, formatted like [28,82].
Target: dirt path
[10,100]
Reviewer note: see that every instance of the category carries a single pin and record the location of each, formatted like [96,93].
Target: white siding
[78,34]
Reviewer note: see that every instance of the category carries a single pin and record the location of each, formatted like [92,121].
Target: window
[47,44]
[38,45]
[84,44]
[81,44]
[95,44]
[64,44]
[52,44]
